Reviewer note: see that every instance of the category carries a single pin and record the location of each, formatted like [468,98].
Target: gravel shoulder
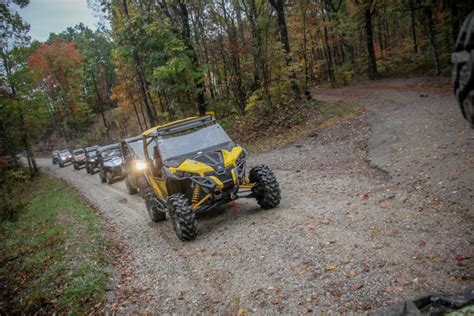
[374,211]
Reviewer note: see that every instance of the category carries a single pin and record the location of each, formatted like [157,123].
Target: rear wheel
[102,177]
[131,190]
[61,165]
[463,69]
[76,166]
[266,189]
[184,219]
[156,215]
[109,177]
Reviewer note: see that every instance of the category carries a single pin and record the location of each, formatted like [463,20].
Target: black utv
[55,157]
[91,158]
[134,164]
[109,163]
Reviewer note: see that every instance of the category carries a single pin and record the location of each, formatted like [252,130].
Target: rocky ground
[374,211]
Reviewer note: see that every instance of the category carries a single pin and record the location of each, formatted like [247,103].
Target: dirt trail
[368,217]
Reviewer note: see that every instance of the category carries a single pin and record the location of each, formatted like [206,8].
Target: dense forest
[156,60]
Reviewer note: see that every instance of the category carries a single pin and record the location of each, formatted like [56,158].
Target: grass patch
[286,126]
[53,255]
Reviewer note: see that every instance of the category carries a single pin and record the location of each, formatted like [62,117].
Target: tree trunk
[305,44]
[413,27]
[141,82]
[432,37]
[453,7]
[372,63]
[257,44]
[100,105]
[327,51]
[186,33]
[24,139]
[279,6]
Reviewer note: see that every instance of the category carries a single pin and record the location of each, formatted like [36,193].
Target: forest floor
[375,208]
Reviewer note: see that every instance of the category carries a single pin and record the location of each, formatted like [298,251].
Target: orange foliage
[56,61]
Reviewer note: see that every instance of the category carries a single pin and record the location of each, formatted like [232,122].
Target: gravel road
[374,211]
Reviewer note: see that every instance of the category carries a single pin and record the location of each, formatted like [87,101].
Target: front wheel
[102,177]
[109,177]
[184,219]
[88,169]
[156,215]
[130,189]
[142,185]
[76,166]
[266,189]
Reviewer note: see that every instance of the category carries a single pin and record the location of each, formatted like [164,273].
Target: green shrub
[11,192]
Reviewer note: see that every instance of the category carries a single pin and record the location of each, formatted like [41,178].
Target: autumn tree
[59,65]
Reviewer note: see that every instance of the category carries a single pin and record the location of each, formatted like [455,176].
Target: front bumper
[63,161]
[117,171]
[93,163]
[219,188]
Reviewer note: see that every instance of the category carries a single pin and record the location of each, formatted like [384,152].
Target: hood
[80,157]
[113,162]
[202,163]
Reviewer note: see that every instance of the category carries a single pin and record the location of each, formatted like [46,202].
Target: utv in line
[109,163]
[78,158]
[91,158]
[194,166]
[64,157]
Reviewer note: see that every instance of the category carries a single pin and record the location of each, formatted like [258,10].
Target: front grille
[226,177]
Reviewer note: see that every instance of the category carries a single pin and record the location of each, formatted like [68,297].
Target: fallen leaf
[430,256]
[366,306]
[422,243]
[330,268]
[388,290]
[276,301]
[357,286]
[383,204]
[351,274]
[364,197]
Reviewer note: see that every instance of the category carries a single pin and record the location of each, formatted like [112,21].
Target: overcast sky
[54,16]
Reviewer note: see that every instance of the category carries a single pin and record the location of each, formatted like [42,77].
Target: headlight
[70,156]
[92,160]
[140,165]
[63,158]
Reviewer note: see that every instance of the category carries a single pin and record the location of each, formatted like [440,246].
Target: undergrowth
[52,255]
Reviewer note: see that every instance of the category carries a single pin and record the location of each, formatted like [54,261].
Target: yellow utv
[194,166]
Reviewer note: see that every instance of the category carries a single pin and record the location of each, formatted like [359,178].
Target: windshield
[137,148]
[78,152]
[109,153]
[199,140]
[65,153]
[92,153]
